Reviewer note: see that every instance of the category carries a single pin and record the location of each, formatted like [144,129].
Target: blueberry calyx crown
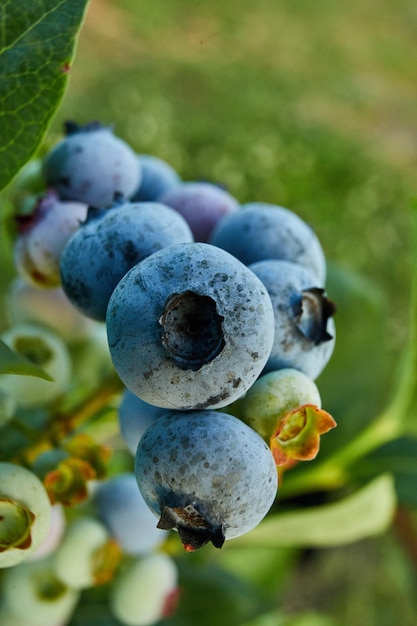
[95,212]
[312,311]
[194,530]
[16,525]
[71,127]
[192,330]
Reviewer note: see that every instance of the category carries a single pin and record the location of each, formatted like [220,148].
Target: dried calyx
[16,523]
[312,311]
[194,530]
[192,330]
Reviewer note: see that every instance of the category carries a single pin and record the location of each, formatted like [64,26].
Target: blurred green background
[311,105]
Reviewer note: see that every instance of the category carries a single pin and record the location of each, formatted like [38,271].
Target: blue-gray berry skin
[121,507]
[206,474]
[190,327]
[158,177]
[91,164]
[304,326]
[135,416]
[263,231]
[109,243]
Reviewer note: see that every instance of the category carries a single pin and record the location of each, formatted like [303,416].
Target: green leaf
[265,568]
[365,513]
[37,42]
[355,384]
[398,457]
[14,363]
[212,596]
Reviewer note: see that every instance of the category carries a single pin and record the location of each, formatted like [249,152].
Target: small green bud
[15,525]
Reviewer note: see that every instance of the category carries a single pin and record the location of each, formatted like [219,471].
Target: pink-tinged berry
[42,236]
[146,591]
[201,204]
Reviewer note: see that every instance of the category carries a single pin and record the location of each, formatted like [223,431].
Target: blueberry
[202,205]
[121,507]
[109,243]
[54,536]
[273,396]
[91,164]
[304,327]
[34,595]
[87,555]
[47,307]
[263,231]
[146,591]
[158,177]
[189,327]
[206,474]
[135,416]
[25,514]
[42,236]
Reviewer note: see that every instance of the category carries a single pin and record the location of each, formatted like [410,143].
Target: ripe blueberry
[135,416]
[91,165]
[158,177]
[109,243]
[304,327]
[189,327]
[121,507]
[206,474]
[264,231]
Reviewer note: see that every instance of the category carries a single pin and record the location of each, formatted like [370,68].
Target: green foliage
[12,362]
[399,458]
[364,513]
[37,41]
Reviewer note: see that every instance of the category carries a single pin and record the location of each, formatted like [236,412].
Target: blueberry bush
[208,349]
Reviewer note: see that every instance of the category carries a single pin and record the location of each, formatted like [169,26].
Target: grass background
[311,105]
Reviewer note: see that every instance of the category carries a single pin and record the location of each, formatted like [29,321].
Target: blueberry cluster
[214,316]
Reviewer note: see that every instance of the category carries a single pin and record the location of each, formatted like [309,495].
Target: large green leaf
[14,363]
[365,513]
[37,41]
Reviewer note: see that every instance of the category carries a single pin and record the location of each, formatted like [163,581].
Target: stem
[30,433]
[62,424]
[333,473]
